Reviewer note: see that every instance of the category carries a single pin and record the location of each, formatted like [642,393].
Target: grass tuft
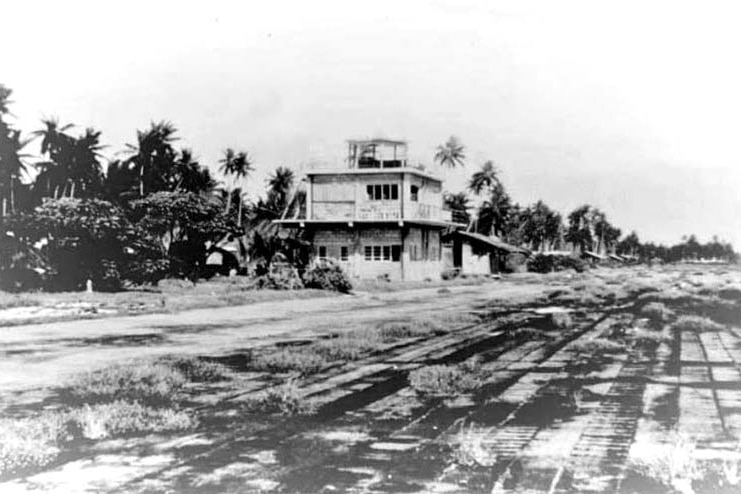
[104,420]
[304,360]
[137,381]
[696,323]
[285,399]
[598,346]
[447,380]
[197,370]
[657,313]
[29,442]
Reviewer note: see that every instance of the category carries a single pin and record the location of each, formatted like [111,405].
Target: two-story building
[379,217]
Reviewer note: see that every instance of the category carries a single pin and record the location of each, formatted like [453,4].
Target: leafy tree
[630,245]
[459,205]
[451,154]
[181,223]
[580,229]
[81,240]
[11,157]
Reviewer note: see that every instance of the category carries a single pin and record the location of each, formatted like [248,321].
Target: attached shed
[474,253]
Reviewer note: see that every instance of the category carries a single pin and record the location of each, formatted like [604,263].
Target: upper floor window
[414,193]
[382,192]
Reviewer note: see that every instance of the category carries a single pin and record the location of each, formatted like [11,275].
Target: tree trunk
[239,214]
[12,196]
[141,181]
[72,191]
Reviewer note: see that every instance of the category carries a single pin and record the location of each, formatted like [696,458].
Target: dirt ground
[554,415]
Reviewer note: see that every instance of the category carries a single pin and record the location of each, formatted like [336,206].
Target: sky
[632,106]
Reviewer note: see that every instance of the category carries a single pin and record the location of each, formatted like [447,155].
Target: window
[414,193]
[382,192]
[344,253]
[322,252]
[382,253]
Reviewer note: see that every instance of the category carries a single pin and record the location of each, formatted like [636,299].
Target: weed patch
[104,420]
[138,381]
[657,313]
[304,360]
[469,449]
[696,323]
[598,346]
[197,370]
[285,399]
[30,442]
[447,380]
[391,331]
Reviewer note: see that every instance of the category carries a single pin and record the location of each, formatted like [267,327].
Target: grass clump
[104,420]
[304,360]
[598,346]
[447,380]
[529,334]
[656,312]
[137,381]
[399,330]
[696,323]
[29,442]
[285,399]
[353,345]
[196,369]
[469,448]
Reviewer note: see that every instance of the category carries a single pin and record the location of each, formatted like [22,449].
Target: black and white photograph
[423,246]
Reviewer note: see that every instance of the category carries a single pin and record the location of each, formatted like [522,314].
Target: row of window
[389,192]
[372,252]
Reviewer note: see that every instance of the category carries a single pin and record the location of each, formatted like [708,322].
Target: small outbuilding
[477,254]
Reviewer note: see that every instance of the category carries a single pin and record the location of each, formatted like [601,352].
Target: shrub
[144,381]
[29,442]
[696,323]
[327,275]
[656,312]
[546,263]
[304,360]
[195,369]
[528,334]
[390,331]
[641,337]
[285,399]
[598,346]
[349,346]
[560,320]
[451,273]
[120,417]
[446,380]
[469,448]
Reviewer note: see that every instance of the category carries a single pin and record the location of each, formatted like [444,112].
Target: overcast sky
[634,107]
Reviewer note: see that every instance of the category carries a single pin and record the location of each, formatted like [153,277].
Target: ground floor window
[382,252]
[322,252]
[344,253]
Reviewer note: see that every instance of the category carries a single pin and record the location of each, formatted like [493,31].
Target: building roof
[374,171]
[392,142]
[303,222]
[491,242]
[593,255]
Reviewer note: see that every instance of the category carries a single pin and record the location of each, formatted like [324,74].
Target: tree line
[149,214]
[68,214]
[541,228]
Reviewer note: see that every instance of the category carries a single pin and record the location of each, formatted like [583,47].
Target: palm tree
[11,157]
[484,179]
[190,176]
[451,154]
[495,213]
[280,184]
[153,156]
[541,226]
[239,165]
[57,145]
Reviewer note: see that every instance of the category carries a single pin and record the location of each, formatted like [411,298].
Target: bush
[144,381]
[285,399]
[696,323]
[598,346]
[304,360]
[446,380]
[390,331]
[349,346]
[546,263]
[327,275]
[656,312]
[450,274]
[195,369]
[29,442]
[120,417]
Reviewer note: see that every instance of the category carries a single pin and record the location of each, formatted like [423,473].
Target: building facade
[378,217]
